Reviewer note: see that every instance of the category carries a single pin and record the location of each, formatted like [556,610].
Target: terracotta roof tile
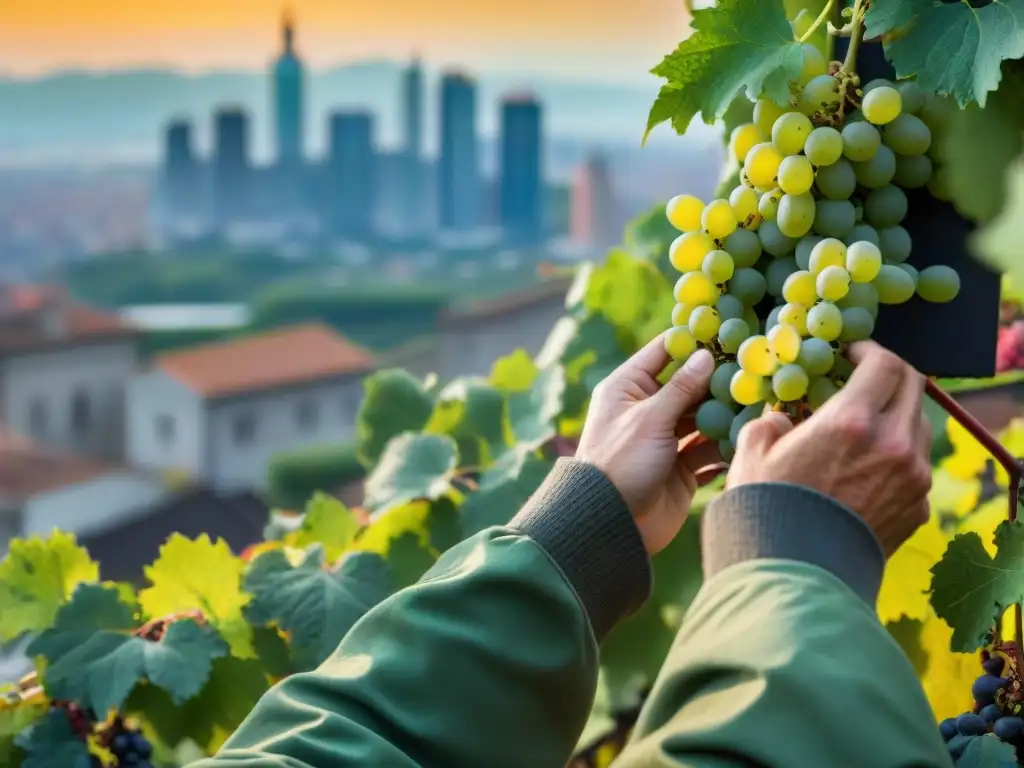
[21,316]
[295,355]
[27,468]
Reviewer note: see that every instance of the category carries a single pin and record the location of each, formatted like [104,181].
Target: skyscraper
[287,97]
[230,165]
[180,166]
[352,170]
[594,216]
[458,172]
[412,152]
[521,185]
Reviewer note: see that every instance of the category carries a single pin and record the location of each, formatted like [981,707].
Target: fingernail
[700,363]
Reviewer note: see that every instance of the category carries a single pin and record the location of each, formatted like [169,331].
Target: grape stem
[856,33]
[822,18]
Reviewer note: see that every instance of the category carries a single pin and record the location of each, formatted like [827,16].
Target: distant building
[287,97]
[231,170]
[412,208]
[352,174]
[219,412]
[181,182]
[521,182]
[594,214]
[459,185]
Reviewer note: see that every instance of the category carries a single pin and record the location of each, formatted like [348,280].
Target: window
[245,429]
[306,413]
[165,428]
[81,412]
[38,417]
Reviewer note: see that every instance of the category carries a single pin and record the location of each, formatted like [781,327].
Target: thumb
[758,436]
[686,388]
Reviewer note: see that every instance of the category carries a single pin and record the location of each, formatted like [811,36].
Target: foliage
[294,477]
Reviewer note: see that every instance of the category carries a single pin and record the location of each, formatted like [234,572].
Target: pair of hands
[868,447]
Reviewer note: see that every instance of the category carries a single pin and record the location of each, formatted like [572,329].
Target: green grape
[795,315]
[937,112]
[801,23]
[912,96]
[796,174]
[796,215]
[825,321]
[816,356]
[747,388]
[713,419]
[804,248]
[827,253]
[744,246]
[861,232]
[938,284]
[687,251]
[790,132]
[745,416]
[834,218]
[729,307]
[766,112]
[750,318]
[720,380]
[894,285]
[790,383]
[718,265]
[863,260]
[908,135]
[938,186]
[814,63]
[768,205]
[681,313]
[742,139]
[755,356]
[819,392]
[679,343]
[858,324]
[824,146]
[785,342]
[862,295]
[776,274]
[743,201]
[885,206]
[910,270]
[704,323]
[762,164]
[860,141]
[832,283]
[731,334]
[726,451]
[913,171]
[799,288]
[837,181]
[879,170]
[841,371]
[772,320]
[820,96]
[878,82]
[718,220]
[882,105]
[748,285]
[696,288]
[894,243]
[683,212]
[773,241]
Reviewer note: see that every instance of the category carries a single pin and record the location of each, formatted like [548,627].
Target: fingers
[649,361]
[876,378]
[905,409]
[700,455]
[686,388]
[762,433]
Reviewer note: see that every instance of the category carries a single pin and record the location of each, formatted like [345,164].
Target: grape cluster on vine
[997,709]
[128,745]
[777,278]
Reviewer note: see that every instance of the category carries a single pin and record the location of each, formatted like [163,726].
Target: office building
[287,85]
[458,163]
[352,174]
[521,183]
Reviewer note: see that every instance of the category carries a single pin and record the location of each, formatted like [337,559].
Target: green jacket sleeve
[781,661]
[490,660]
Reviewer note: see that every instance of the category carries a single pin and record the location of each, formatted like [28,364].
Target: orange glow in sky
[536,35]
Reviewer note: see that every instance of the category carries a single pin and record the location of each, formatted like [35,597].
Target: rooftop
[295,355]
[43,316]
[27,468]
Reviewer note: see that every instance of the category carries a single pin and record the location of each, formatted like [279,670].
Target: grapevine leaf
[987,752]
[998,243]
[907,575]
[735,45]
[36,577]
[504,488]
[444,530]
[93,659]
[408,560]
[14,720]
[514,372]
[271,648]
[50,743]
[314,604]
[388,525]
[814,9]
[395,402]
[533,414]
[627,290]
[327,521]
[473,414]
[192,574]
[413,466]
[952,48]
[907,634]
[971,589]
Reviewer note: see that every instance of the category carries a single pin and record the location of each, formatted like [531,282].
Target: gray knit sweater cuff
[580,519]
[792,522]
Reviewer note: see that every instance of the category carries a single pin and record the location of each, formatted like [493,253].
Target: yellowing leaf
[953,495]
[408,518]
[200,574]
[948,679]
[984,522]
[327,521]
[969,458]
[908,575]
[37,576]
[1012,439]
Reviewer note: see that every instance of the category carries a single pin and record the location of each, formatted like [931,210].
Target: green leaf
[36,577]
[970,589]
[414,466]
[314,604]
[395,402]
[814,8]
[987,752]
[327,521]
[998,243]
[504,488]
[533,414]
[907,634]
[93,658]
[514,372]
[473,414]
[735,45]
[50,743]
[951,48]
[14,720]
[408,560]
[272,651]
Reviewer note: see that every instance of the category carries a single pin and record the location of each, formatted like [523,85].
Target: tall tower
[352,168]
[411,110]
[231,171]
[287,83]
[594,216]
[459,173]
[521,183]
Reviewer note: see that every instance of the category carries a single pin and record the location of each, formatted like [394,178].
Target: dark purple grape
[121,743]
[142,747]
[948,728]
[970,724]
[985,688]
[1009,728]
[991,713]
[994,666]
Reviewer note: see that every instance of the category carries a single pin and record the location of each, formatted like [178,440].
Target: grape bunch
[128,745]
[996,712]
[779,277]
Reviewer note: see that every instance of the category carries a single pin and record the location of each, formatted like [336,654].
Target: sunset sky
[614,39]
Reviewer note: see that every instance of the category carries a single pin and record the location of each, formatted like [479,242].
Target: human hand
[868,447]
[642,436]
